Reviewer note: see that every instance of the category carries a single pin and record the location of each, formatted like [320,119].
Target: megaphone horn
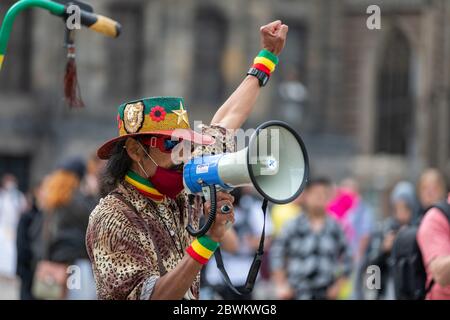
[275,162]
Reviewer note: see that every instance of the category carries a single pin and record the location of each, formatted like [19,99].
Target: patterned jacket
[312,260]
[131,246]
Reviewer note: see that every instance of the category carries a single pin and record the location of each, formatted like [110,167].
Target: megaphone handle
[211,216]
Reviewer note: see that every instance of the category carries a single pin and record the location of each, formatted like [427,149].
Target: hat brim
[104,152]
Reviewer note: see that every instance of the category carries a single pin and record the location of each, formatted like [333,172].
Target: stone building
[368,103]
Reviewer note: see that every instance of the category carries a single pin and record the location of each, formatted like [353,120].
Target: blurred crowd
[42,235]
[321,245]
[317,247]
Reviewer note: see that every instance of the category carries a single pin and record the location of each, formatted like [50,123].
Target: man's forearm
[235,111]
[174,284]
[440,270]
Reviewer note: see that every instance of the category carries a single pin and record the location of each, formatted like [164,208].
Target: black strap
[430,286]
[256,264]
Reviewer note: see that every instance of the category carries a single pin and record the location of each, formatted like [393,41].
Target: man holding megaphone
[137,238]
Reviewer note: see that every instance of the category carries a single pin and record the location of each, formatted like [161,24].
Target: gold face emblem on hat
[133,117]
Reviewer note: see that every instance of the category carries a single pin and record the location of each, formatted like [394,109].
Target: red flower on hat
[157,113]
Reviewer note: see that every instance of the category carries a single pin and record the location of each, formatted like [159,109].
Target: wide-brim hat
[160,116]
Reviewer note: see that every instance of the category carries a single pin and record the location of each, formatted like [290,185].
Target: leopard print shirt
[130,249]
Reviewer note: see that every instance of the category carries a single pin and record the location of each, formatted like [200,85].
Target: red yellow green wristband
[266,61]
[202,249]
[269,55]
[262,68]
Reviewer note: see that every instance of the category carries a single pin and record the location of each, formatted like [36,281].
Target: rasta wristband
[202,249]
[269,55]
[263,66]
[265,61]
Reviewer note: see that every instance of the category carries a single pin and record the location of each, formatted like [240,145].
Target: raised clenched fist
[273,36]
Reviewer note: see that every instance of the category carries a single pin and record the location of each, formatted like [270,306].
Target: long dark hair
[115,170]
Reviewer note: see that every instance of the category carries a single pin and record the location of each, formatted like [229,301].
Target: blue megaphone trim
[202,171]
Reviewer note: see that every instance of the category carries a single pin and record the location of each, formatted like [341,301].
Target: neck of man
[316,219]
[143,186]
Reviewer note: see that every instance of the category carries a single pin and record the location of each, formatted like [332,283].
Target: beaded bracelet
[202,249]
[265,61]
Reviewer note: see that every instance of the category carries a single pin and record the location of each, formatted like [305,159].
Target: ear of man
[134,150]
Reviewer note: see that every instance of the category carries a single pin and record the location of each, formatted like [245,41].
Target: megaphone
[275,162]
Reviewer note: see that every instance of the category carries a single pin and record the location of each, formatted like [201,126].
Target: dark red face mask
[167,181]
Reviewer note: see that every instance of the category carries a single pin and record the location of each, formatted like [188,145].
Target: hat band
[171,122]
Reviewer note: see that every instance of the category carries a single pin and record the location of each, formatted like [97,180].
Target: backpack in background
[410,278]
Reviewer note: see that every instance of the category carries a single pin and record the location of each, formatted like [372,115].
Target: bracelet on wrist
[202,249]
[265,61]
[263,66]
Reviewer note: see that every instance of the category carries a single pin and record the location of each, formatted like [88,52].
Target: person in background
[404,210]
[310,258]
[247,226]
[431,188]
[282,213]
[360,218]
[12,204]
[356,219]
[433,238]
[26,235]
[66,215]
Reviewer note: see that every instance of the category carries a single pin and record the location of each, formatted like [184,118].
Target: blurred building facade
[369,103]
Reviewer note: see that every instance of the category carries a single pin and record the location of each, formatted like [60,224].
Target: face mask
[168,182]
